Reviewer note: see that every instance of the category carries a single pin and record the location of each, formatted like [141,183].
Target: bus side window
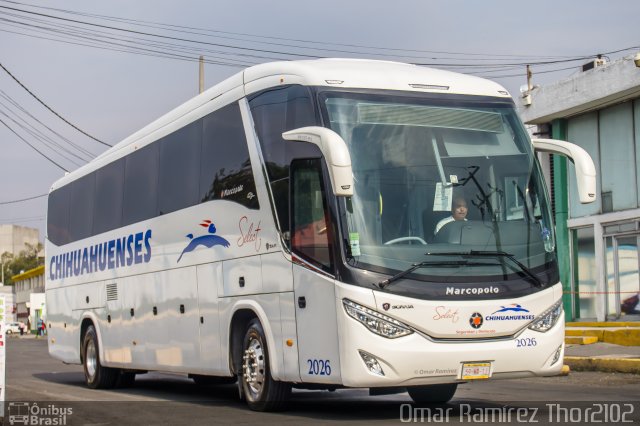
[225,167]
[58,216]
[275,111]
[311,232]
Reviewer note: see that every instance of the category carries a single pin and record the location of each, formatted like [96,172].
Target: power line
[27,113]
[131,50]
[33,147]
[190,30]
[129,43]
[22,199]
[76,21]
[160,35]
[52,145]
[49,108]
[23,219]
[79,33]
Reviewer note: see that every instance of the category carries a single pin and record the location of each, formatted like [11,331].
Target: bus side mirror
[335,151]
[585,169]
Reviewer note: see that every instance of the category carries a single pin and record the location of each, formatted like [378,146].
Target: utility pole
[201,87]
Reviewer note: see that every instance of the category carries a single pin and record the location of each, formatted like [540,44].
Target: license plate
[476,370]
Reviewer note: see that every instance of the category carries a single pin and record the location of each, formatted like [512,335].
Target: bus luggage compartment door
[318,352]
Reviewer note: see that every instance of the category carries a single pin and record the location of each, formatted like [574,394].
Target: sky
[112,67]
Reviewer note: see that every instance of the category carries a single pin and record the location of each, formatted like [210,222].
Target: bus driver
[458,212]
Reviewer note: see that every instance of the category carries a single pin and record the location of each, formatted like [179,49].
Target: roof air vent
[429,86]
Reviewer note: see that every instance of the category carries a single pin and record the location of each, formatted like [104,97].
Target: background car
[12,327]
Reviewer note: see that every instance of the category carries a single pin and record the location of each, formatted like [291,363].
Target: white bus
[280,230]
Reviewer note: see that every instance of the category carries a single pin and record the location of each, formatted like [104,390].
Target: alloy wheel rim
[91,360]
[254,368]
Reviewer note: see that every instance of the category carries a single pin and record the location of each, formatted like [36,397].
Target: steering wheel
[403,239]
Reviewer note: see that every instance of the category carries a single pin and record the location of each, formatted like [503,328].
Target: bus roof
[363,73]
[339,73]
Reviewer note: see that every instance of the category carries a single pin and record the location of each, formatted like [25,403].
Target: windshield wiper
[503,254]
[384,283]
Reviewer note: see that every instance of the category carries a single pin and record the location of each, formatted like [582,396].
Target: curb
[622,336]
[605,364]
[604,324]
[580,340]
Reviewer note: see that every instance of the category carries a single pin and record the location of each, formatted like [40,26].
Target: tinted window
[311,233]
[274,112]
[107,213]
[180,168]
[141,185]
[225,165]
[81,211]
[58,216]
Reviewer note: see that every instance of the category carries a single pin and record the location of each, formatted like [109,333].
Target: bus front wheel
[432,394]
[96,376]
[260,390]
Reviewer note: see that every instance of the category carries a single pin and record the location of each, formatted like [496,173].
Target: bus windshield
[437,179]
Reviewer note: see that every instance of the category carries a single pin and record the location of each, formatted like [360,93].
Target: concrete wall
[584,91]
[13,238]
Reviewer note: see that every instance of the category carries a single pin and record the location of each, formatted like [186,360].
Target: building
[11,308]
[599,110]
[30,298]
[14,237]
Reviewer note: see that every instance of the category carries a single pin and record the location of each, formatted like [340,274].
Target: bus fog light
[556,356]
[548,319]
[376,322]
[372,363]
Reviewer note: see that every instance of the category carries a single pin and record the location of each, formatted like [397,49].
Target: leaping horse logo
[207,240]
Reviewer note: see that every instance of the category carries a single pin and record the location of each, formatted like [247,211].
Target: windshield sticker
[249,233]
[208,240]
[443,313]
[354,242]
[512,312]
[442,198]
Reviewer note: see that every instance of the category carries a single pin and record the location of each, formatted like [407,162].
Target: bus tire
[259,389]
[432,394]
[96,376]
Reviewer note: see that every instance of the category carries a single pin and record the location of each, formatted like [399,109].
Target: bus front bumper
[369,360]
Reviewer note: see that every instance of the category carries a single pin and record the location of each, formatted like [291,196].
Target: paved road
[164,398]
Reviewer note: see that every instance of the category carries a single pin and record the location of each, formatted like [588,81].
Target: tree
[27,259]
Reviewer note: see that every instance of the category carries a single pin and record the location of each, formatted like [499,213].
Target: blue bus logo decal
[208,240]
[514,307]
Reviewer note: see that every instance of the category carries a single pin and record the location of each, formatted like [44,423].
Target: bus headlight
[548,318]
[377,323]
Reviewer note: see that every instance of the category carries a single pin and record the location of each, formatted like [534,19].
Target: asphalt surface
[57,391]
[603,349]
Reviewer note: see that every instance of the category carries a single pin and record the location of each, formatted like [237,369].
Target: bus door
[314,287]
